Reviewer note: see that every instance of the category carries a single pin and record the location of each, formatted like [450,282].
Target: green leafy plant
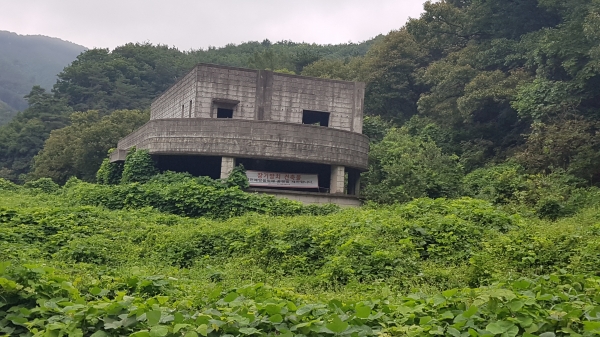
[138,167]
[45,185]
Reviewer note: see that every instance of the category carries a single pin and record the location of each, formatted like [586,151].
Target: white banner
[277,179]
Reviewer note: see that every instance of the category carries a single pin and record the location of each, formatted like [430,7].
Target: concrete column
[227,164]
[337,180]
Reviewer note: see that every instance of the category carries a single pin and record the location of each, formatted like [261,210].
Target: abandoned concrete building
[298,137]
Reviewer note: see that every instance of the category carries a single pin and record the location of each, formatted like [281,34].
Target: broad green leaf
[276,318]
[162,299]
[202,329]
[471,311]
[178,327]
[273,309]
[362,311]
[159,331]
[304,309]
[337,325]
[503,293]
[190,334]
[453,332]
[153,317]
[99,333]
[515,305]
[525,321]
[424,320]
[95,291]
[249,331]
[591,326]
[499,327]
[512,331]
[446,315]
[532,328]
[143,333]
[231,297]
[450,293]
[548,334]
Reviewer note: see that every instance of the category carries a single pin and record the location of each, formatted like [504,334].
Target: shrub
[238,178]
[551,196]
[6,185]
[185,195]
[45,185]
[109,173]
[138,167]
[404,167]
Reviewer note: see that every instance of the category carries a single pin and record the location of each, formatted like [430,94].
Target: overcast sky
[194,24]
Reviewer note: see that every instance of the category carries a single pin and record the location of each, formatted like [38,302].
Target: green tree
[403,167]
[24,136]
[89,137]
[567,143]
[392,90]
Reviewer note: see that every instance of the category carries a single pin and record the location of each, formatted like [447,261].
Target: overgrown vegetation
[482,213]
[447,267]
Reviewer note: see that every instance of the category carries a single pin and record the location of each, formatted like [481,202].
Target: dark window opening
[182,111]
[195,165]
[224,113]
[315,118]
[190,109]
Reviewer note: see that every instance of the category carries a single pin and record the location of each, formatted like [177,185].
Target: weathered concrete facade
[261,95]
[274,118]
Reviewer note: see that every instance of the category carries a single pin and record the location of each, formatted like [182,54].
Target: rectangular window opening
[182,111]
[315,118]
[224,113]
[190,109]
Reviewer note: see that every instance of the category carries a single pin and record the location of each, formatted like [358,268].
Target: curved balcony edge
[249,139]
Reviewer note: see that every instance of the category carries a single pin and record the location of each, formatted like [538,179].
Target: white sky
[194,24]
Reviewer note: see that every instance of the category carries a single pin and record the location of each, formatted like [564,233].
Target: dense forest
[471,90]
[481,199]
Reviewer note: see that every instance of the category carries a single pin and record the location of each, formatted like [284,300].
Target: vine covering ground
[461,267]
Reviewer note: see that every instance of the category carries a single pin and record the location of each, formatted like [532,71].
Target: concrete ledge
[250,139]
[118,155]
[312,198]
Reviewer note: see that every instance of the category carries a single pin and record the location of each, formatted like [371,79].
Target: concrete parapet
[251,139]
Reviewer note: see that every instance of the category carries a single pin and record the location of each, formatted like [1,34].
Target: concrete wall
[293,94]
[251,139]
[226,83]
[262,95]
[169,104]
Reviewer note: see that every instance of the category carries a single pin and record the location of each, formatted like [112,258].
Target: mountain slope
[28,60]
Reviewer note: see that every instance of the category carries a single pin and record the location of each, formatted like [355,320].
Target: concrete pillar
[337,180]
[227,165]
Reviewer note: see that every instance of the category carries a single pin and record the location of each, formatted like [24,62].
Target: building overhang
[249,139]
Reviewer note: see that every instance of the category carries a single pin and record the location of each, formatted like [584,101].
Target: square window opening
[315,118]
[224,113]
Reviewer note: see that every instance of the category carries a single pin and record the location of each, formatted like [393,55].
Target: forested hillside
[482,196]
[129,77]
[28,60]
[468,85]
